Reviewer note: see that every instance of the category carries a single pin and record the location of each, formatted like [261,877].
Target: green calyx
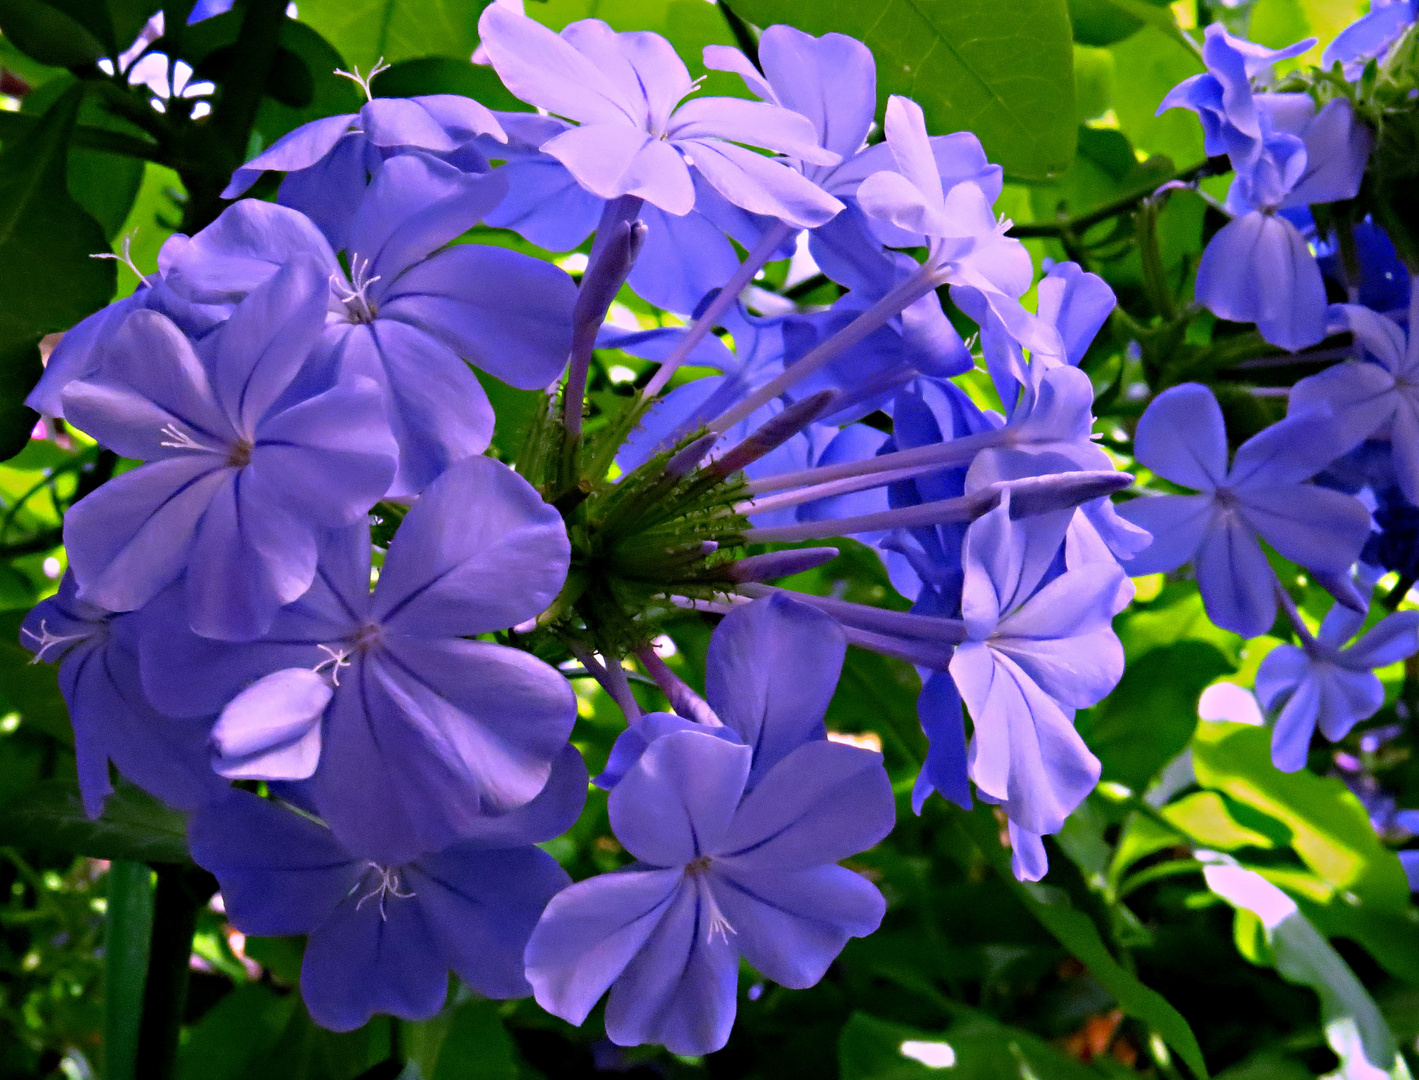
[638,539]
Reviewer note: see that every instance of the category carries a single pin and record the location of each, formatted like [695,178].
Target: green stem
[127,930]
[1396,595]
[181,892]
[1073,227]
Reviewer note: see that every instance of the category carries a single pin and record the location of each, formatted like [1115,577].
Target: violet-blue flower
[1377,397]
[637,136]
[382,937]
[249,454]
[1258,268]
[1322,683]
[328,162]
[1263,496]
[967,245]
[737,847]
[1036,650]
[1371,36]
[417,729]
[97,655]
[407,314]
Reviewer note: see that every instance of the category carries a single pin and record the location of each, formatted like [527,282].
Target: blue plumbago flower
[1259,268]
[1371,36]
[328,162]
[382,936]
[97,654]
[684,257]
[966,244]
[1384,281]
[637,136]
[1324,684]
[737,846]
[1038,646]
[408,730]
[1374,397]
[250,453]
[79,352]
[406,314]
[1182,438]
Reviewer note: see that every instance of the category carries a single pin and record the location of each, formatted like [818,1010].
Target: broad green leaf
[323,93]
[472,1045]
[1076,932]
[238,1029]
[32,690]
[154,217]
[364,31]
[689,25]
[1147,65]
[1093,81]
[45,33]
[47,278]
[1330,830]
[1000,70]
[1101,22]
[446,75]
[128,928]
[1354,1027]
[976,1048]
[1150,716]
[1391,937]
[104,184]
[49,816]
[1209,820]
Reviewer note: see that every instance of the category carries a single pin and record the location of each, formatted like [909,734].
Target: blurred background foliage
[1123,962]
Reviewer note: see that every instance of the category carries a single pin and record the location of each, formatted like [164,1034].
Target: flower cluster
[1333,486]
[230,617]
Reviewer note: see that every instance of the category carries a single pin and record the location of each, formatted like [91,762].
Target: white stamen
[181,440]
[355,295]
[364,81]
[47,640]
[337,660]
[718,923]
[388,885]
[125,256]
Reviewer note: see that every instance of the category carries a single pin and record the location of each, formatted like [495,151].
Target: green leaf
[103,183]
[977,1048]
[48,35]
[1330,830]
[445,75]
[1003,71]
[1147,65]
[364,31]
[464,1042]
[1354,1027]
[1093,81]
[47,278]
[1210,819]
[30,689]
[128,928]
[235,1032]
[1077,933]
[1150,716]
[49,816]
